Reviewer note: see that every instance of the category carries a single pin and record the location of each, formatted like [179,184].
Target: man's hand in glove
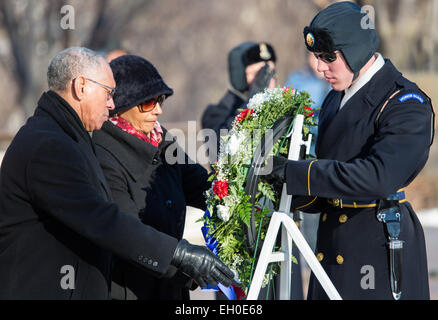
[278,173]
[261,80]
[201,264]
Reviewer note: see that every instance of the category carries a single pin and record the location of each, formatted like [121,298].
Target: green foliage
[232,214]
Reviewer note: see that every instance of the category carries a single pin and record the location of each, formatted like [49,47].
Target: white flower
[234,144]
[266,280]
[223,213]
[222,145]
[222,169]
[274,94]
[230,200]
[257,100]
[236,263]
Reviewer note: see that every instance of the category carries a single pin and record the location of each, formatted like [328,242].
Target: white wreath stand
[289,232]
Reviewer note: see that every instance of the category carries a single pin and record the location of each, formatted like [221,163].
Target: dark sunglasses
[151,104]
[327,57]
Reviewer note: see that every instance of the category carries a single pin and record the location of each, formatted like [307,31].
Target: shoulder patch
[409,96]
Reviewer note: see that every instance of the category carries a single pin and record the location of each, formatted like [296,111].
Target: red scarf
[154,137]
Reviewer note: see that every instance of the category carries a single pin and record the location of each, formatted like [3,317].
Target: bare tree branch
[97,33]
[107,29]
[18,48]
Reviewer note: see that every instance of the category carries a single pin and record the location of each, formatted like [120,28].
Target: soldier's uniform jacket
[360,160]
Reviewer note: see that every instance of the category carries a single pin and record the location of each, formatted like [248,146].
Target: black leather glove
[278,173]
[201,264]
[261,80]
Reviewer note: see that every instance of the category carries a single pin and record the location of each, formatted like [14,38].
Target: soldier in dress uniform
[375,131]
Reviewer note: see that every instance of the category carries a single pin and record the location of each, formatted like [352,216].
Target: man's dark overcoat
[56,219]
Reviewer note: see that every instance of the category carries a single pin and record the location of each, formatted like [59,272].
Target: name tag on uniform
[408,96]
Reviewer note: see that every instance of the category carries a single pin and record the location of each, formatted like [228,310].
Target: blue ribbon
[212,244]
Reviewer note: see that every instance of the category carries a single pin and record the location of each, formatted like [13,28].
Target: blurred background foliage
[188,41]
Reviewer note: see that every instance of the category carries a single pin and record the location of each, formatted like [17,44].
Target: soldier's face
[337,73]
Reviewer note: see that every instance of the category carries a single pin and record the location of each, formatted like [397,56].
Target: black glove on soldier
[278,173]
[261,80]
[201,264]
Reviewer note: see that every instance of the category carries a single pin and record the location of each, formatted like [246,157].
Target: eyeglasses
[327,57]
[111,89]
[151,104]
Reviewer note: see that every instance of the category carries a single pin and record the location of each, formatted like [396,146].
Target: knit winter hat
[339,27]
[243,55]
[137,81]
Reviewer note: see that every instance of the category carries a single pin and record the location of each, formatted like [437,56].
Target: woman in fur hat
[143,177]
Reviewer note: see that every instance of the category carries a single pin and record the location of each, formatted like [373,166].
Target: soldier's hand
[201,264]
[261,80]
[278,172]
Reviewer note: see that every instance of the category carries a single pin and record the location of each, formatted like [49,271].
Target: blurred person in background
[251,69]
[131,149]
[114,54]
[374,134]
[59,228]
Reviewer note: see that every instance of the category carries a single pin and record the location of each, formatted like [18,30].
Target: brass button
[320,256]
[343,218]
[324,217]
[336,202]
[339,259]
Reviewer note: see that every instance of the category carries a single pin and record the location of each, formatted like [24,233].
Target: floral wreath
[229,208]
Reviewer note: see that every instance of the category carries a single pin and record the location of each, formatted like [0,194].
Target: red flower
[288,89]
[245,113]
[309,109]
[220,188]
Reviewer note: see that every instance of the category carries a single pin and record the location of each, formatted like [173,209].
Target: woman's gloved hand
[201,264]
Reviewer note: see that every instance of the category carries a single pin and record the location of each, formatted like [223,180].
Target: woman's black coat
[143,183]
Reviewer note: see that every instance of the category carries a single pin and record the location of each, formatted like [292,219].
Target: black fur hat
[137,81]
[243,55]
[339,27]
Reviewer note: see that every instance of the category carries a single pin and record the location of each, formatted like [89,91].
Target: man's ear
[78,88]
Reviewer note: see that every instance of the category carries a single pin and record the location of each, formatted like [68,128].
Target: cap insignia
[310,39]
[264,52]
